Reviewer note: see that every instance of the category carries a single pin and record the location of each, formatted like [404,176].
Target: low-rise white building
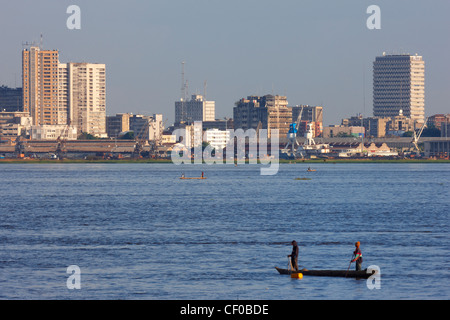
[52,132]
[218,139]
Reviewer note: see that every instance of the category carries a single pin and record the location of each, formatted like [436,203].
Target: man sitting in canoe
[358,257]
[294,255]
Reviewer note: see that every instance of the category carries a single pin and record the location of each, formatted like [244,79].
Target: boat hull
[330,273]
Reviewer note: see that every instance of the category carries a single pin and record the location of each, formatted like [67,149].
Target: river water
[136,231]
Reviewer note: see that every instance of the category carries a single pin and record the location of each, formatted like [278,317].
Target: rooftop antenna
[183,85]
[364,111]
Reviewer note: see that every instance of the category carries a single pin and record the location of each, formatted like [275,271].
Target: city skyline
[314,54]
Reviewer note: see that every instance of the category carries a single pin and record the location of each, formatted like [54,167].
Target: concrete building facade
[400,124]
[13,124]
[399,84]
[52,132]
[338,131]
[310,114]
[271,111]
[374,126]
[437,120]
[117,124]
[147,127]
[218,139]
[196,109]
[86,96]
[57,93]
[11,99]
[40,85]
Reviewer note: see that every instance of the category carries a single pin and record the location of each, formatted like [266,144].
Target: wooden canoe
[330,273]
[193,178]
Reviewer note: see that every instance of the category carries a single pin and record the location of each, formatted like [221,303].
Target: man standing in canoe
[294,255]
[358,256]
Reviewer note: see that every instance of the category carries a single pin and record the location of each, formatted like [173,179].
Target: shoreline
[168,161]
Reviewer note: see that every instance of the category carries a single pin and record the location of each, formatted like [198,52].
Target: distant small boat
[193,178]
[311,170]
[330,273]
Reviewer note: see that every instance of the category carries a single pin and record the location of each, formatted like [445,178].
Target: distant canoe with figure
[193,178]
[202,177]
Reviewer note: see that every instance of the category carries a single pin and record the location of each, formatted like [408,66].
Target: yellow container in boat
[297,275]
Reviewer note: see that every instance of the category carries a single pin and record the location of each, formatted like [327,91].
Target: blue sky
[314,52]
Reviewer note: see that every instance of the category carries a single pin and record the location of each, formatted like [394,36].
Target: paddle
[290,265]
[349,266]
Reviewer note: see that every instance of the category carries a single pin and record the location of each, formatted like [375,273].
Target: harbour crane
[61,149]
[141,140]
[292,133]
[20,147]
[416,137]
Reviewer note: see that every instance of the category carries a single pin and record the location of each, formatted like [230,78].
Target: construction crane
[416,137]
[292,133]
[61,149]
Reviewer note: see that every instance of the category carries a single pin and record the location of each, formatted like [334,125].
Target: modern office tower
[11,99]
[399,85]
[196,109]
[40,85]
[271,111]
[85,87]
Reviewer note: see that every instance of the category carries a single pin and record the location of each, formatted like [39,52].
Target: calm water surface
[138,232]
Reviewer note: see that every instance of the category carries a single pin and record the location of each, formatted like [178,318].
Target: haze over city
[316,53]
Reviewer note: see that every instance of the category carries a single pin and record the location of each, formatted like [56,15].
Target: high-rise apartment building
[63,93]
[196,109]
[399,85]
[40,85]
[55,93]
[82,92]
